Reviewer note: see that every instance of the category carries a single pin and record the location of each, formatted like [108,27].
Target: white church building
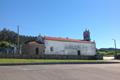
[61,46]
[67,46]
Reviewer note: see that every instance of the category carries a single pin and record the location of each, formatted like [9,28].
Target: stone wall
[33,49]
[50,57]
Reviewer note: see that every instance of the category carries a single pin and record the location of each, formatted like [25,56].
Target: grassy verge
[42,60]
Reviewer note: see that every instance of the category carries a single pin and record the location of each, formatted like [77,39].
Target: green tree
[4,44]
[11,37]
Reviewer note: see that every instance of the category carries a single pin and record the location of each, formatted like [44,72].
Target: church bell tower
[86,35]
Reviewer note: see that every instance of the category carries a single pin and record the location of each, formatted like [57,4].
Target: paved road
[61,72]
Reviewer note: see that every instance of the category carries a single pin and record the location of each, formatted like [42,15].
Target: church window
[51,49]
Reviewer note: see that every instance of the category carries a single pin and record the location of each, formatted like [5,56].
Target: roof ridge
[65,39]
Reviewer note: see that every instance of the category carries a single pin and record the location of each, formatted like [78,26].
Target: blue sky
[64,18]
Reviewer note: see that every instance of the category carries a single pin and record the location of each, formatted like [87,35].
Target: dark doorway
[37,51]
[78,52]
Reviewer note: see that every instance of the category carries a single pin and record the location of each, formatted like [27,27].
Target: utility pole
[18,41]
[115,46]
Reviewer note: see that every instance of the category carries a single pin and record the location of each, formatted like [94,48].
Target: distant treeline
[108,51]
[11,37]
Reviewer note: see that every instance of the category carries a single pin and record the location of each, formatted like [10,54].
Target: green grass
[3,60]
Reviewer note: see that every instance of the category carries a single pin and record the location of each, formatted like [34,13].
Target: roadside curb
[50,63]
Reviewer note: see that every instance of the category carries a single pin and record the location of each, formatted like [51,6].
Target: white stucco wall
[69,48]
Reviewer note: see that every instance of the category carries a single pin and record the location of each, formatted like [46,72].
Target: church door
[78,52]
[37,51]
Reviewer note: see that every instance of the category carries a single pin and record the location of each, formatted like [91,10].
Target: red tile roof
[66,39]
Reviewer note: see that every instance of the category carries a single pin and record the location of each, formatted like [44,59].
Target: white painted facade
[70,48]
